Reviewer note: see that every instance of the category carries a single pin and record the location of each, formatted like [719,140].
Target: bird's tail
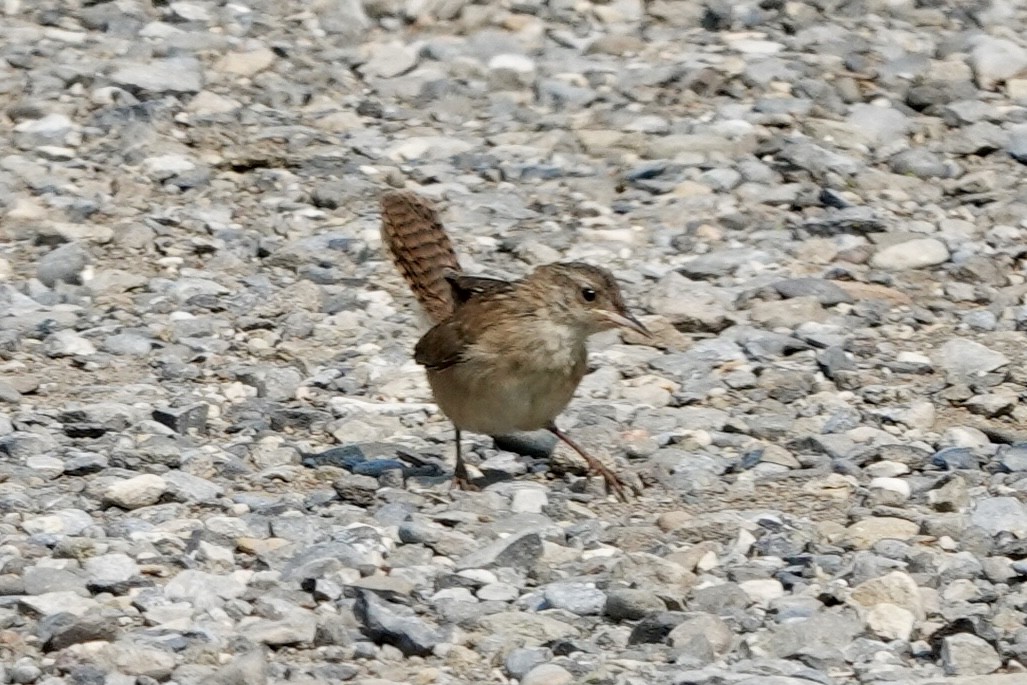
[421,250]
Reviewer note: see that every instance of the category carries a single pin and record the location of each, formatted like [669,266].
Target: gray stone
[203,590]
[296,627]
[136,492]
[246,669]
[128,344]
[826,292]
[67,343]
[25,671]
[821,635]
[878,124]
[320,560]
[39,580]
[521,660]
[518,551]
[548,674]
[186,487]
[790,313]
[722,263]
[911,254]
[174,75]
[346,18]
[1013,457]
[183,419]
[688,305]
[83,463]
[920,163]
[62,630]
[961,357]
[108,570]
[578,598]
[533,629]
[996,59]
[890,622]
[384,624]
[700,639]
[63,522]
[138,660]
[65,263]
[57,602]
[967,654]
[625,604]
[1017,146]
[275,383]
[50,130]
[1000,515]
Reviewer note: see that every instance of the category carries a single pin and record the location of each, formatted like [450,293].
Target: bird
[501,356]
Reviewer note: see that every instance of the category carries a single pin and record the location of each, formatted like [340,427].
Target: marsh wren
[502,356]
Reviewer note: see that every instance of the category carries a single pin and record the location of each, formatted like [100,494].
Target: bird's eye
[588,294]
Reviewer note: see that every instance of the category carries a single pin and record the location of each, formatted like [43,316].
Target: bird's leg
[460,478]
[612,481]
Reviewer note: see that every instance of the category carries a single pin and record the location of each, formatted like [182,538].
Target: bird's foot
[465,485]
[614,483]
[462,481]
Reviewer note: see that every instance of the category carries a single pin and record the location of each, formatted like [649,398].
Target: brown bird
[502,356]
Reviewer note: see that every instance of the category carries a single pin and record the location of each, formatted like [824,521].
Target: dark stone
[298,418]
[58,631]
[833,360]
[855,220]
[373,459]
[395,625]
[181,419]
[517,551]
[536,444]
[655,629]
[826,292]
[955,458]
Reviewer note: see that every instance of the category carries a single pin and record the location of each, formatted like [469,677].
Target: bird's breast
[524,388]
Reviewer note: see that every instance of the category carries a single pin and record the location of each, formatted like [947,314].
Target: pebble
[632,604]
[701,638]
[216,450]
[521,661]
[891,622]
[578,598]
[968,358]
[136,492]
[175,75]
[63,264]
[912,254]
[547,674]
[864,534]
[1000,514]
[967,654]
[896,588]
[67,344]
[996,59]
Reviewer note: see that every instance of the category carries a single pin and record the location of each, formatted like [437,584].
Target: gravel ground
[219,464]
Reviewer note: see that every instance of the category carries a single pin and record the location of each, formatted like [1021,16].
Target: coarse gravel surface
[220,465]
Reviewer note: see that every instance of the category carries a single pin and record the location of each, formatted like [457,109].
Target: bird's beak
[626,320]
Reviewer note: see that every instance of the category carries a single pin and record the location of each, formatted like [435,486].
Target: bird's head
[586,297]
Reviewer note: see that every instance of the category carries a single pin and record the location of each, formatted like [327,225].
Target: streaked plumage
[503,356]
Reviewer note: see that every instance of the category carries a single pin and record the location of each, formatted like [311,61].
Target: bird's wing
[465,288]
[443,346]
